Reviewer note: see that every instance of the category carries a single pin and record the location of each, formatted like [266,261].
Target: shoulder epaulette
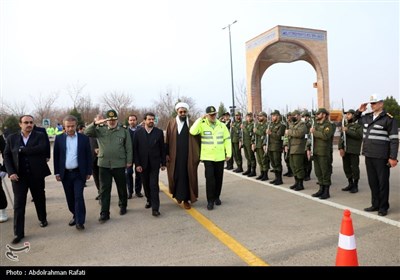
[124,126]
[389,115]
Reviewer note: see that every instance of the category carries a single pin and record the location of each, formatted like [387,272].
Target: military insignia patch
[327,129]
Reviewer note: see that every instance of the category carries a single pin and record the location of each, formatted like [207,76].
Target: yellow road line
[222,236]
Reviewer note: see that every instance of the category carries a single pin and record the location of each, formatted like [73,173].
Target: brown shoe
[186,205]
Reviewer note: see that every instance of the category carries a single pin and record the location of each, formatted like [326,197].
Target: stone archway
[286,44]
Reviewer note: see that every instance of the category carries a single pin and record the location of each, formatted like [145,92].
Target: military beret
[111,115]
[322,110]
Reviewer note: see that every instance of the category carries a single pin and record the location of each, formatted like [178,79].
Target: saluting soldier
[323,132]
[236,137]
[247,131]
[275,134]
[297,142]
[257,145]
[380,148]
[350,151]
[115,155]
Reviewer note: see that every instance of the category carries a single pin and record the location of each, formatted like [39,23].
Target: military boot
[325,194]
[295,183]
[349,186]
[261,176]
[253,172]
[238,169]
[319,192]
[278,180]
[354,189]
[299,186]
[289,173]
[248,171]
[265,176]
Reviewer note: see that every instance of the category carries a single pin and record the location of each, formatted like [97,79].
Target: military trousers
[276,160]
[106,176]
[323,169]
[249,154]
[297,166]
[237,154]
[351,166]
[262,159]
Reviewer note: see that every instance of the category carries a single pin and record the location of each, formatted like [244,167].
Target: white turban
[181,105]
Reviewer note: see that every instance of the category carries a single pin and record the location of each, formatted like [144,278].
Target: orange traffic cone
[346,253]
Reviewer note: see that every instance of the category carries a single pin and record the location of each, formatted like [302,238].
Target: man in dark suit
[25,160]
[133,127]
[73,166]
[150,155]
[43,130]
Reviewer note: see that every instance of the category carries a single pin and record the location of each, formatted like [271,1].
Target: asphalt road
[257,224]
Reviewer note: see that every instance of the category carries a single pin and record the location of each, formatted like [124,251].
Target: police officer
[380,148]
[216,148]
[275,135]
[247,133]
[258,143]
[349,149]
[236,138]
[115,154]
[297,142]
[322,154]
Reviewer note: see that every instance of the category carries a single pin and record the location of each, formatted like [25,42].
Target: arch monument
[286,44]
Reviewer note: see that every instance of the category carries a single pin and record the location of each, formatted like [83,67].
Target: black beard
[182,118]
[350,121]
[294,119]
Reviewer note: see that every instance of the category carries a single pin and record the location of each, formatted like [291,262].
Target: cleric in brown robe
[182,157]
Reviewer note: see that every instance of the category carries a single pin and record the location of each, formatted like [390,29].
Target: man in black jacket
[150,155]
[25,158]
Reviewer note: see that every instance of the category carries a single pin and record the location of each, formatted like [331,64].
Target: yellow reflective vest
[216,142]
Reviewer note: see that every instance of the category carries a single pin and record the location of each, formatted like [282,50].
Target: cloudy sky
[144,48]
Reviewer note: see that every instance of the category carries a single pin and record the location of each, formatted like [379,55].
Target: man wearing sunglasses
[380,148]
[25,160]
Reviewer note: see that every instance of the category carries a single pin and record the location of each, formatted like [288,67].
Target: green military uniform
[351,158]
[286,156]
[247,133]
[322,154]
[258,140]
[236,137]
[275,147]
[297,142]
[115,152]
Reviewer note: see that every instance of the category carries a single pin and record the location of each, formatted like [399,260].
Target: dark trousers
[296,163]
[3,198]
[378,179]
[214,173]
[151,188]
[237,154]
[323,169]
[351,163]
[96,176]
[106,176]
[20,190]
[73,188]
[129,181]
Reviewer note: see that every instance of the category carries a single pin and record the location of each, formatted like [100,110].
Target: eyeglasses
[26,122]
[182,112]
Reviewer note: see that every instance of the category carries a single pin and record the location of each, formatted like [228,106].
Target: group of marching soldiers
[301,138]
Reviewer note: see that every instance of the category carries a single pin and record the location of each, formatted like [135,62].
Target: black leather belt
[72,170]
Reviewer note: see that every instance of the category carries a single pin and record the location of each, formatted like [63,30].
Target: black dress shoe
[80,227]
[17,239]
[139,195]
[129,196]
[382,213]
[371,209]
[43,223]
[148,205]
[218,201]
[122,211]
[155,213]
[104,217]
[72,223]
[210,206]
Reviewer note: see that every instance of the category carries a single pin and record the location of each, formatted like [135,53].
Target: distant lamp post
[230,52]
